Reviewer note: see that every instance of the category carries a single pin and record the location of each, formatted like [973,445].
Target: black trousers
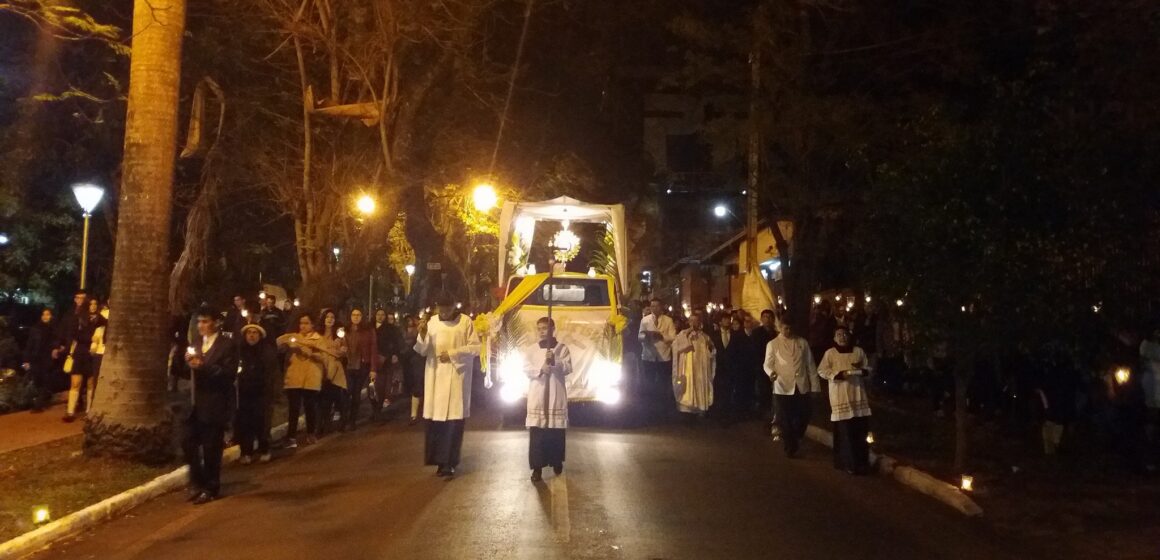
[356,380]
[793,417]
[250,423]
[202,444]
[332,398]
[444,442]
[546,447]
[763,390]
[851,451]
[299,401]
[41,378]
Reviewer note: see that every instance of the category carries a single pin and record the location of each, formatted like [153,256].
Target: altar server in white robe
[547,401]
[694,365]
[449,345]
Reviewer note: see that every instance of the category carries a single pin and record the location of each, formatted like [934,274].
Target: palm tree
[131,417]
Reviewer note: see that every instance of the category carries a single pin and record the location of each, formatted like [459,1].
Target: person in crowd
[821,329]
[362,357]
[657,333]
[733,382]
[790,365]
[259,364]
[547,401]
[449,345]
[866,331]
[412,365]
[694,366]
[99,316]
[75,340]
[213,365]
[1150,382]
[389,344]
[1056,388]
[762,389]
[236,317]
[272,319]
[38,359]
[333,398]
[303,379]
[845,367]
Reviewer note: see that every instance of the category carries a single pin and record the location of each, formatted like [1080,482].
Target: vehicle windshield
[577,292]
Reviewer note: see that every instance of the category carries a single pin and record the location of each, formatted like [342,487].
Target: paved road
[664,491]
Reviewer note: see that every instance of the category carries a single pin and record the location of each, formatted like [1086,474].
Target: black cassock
[444,440]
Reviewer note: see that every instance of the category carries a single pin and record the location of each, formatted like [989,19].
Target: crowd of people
[71,347]
[328,366]
[729,366]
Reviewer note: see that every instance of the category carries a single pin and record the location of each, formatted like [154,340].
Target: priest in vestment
[547,401]
[449,345]
[694,365]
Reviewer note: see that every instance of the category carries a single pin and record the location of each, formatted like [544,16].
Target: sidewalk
[23,429]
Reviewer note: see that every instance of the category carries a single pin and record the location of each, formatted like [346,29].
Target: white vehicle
[585,306]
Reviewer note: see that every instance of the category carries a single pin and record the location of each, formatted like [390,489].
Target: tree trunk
[130,417]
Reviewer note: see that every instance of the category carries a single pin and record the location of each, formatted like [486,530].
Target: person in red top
[361,360]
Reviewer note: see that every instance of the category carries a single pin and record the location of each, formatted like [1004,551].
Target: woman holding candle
[845,367]
[334,387]
[304,372]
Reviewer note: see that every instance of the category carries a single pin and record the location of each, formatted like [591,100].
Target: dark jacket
[41,342]
[732,360]
[389,341]
[213,382]
[365,339]
[273,320]
[259,368]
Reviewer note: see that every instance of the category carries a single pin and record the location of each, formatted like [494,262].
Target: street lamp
[484,197]
[365,205]
[410,270]
[88,196]
[720,210]
[4,239]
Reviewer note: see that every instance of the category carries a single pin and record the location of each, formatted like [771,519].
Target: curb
[108,508]
[909,476]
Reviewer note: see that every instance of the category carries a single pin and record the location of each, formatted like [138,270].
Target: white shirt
[660,350]
[207,343]
[789,363]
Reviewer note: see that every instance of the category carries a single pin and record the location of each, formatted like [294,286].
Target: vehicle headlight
[511,375]
[606,373]
[608,395]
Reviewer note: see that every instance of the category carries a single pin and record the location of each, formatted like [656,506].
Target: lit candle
[817,299]
[968,483]
[341,332]
[245,313]
[870,438]
[41,515]
[1123,375]
[190,351]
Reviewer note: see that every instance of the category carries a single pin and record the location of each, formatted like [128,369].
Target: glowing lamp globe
[484,197]
[88,196]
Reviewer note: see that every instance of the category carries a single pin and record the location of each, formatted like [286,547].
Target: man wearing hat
[258,368]
[213,366]
[448,344]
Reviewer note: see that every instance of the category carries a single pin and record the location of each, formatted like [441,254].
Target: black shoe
[204,498]
[193,494]
[449,473]
[441,472]
[537,475]
[558,469]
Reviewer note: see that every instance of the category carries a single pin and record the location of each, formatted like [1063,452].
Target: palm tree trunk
[131,418]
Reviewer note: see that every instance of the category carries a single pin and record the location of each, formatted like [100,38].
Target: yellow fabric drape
[517,296]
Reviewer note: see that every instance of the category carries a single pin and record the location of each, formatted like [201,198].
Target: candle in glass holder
[967,483]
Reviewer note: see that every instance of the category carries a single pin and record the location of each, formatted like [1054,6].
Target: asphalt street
[659,490]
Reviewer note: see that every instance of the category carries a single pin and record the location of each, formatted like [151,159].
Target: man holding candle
[449,345]
[790,364]
[213,366]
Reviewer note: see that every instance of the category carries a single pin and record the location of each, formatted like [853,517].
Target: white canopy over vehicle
[517,222]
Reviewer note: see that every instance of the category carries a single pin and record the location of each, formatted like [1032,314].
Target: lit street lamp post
[485,198]
[366,207]
[88,196]
[410,270]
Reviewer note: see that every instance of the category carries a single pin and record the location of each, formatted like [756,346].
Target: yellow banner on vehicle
[484,322]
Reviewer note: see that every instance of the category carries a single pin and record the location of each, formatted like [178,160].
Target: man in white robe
[547,401]
[449,345]
[789,363]
[694,365]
